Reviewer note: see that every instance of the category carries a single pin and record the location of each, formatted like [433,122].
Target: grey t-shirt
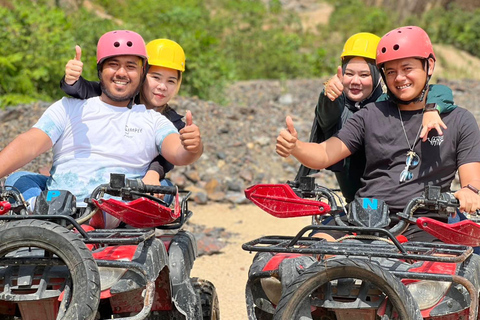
[378,128]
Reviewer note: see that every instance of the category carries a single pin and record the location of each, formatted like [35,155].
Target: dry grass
[455,64]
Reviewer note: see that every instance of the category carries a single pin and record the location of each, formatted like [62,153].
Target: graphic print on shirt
[130,132]
[436,141]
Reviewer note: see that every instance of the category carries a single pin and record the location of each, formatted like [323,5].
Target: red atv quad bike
[54,266]
[369,273]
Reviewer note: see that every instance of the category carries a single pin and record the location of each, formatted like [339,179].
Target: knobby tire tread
[322,272]
[71,250]
[209,299]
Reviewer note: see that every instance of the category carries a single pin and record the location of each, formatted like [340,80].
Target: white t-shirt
[92,139]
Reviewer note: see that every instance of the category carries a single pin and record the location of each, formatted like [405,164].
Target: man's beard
[117,98]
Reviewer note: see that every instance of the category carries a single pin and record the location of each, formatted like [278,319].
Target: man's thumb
[188,118]
[290,126]
[78,53]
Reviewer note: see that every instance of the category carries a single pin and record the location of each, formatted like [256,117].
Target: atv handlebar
[306,188]
[130,188]
[432,200]
[138,186]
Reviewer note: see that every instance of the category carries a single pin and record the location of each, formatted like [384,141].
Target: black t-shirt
[377,128]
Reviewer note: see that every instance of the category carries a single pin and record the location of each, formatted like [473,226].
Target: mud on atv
[367,274]
[54,266]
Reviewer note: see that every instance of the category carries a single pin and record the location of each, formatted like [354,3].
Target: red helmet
[404,42]
[120,43]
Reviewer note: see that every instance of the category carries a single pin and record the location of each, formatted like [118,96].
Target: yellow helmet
[361,44]
[166,53]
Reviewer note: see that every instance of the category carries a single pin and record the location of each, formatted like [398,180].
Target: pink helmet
[119,43]
[404,42]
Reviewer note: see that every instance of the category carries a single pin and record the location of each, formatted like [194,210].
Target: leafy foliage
[32,35]
[454,26]
[352,16]
[224,40]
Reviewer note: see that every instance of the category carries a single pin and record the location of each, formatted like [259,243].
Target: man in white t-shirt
[95,137]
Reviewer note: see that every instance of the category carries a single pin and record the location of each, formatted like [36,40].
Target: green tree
[33,37]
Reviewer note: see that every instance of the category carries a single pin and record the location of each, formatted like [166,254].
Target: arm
[469,174]
[73,84]
[439,100]
[152,177]
[331,102]
[23,149]
[184,148]
[175,118]
[312,155]
[442,97]
[155,172]
[159,166]
[81,89]
[468,161]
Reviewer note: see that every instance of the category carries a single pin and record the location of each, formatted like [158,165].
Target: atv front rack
[299,244]
[98,236]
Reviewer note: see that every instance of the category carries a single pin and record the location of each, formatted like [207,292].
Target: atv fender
[153,256]
[182,253]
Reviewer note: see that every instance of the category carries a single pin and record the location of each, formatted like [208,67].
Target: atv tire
[208,296]
[298,293]
[70,249]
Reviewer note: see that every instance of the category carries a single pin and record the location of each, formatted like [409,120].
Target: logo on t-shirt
[436,141]
[131,131]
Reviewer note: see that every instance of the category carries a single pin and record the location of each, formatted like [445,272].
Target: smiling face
[406,78]
[160,85]
[120,79]
[357,80]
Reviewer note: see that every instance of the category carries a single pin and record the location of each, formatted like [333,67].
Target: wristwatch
[469,186]
[431,107]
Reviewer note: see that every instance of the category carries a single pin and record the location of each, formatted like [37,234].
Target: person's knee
[324,235]
[28,183]
[14,177]
[168,198]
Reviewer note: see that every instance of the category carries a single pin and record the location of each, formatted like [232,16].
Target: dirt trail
[228,270]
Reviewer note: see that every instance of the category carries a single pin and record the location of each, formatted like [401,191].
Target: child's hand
[287,139]
[74,67]
[431,120]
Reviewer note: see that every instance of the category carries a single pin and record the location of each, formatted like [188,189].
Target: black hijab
[376,80]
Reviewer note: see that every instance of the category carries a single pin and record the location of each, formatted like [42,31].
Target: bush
[455,27]
[224,40]
[33,36]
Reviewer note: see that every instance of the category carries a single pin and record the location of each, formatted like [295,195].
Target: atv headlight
[110,276]
[272,288]
[427,293]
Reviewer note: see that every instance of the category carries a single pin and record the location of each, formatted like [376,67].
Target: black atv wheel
[69,250]
[208,297]
[314,288]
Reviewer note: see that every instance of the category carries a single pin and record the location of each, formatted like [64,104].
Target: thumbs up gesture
[74,67]
[287,139]
[334,86]
[190,135]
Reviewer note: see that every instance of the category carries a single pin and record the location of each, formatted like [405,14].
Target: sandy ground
[228,270]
